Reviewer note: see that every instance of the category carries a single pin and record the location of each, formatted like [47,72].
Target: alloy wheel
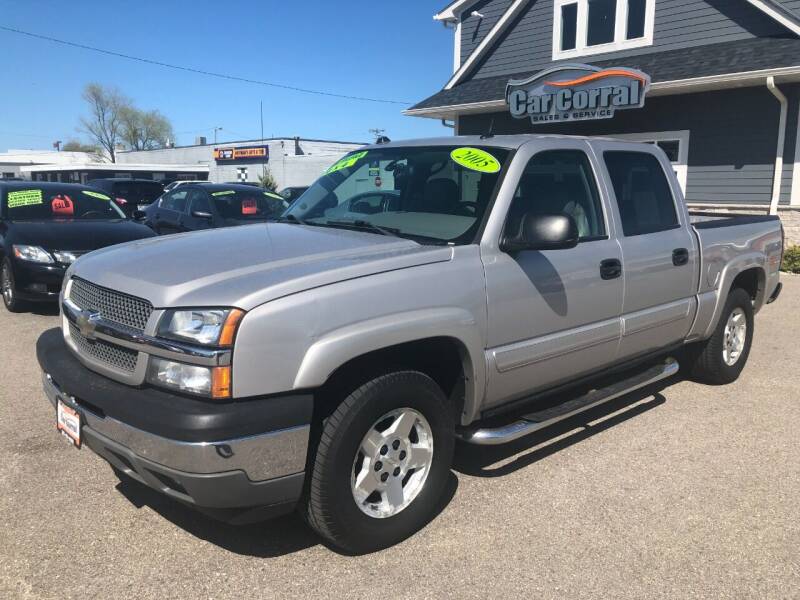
[734,337]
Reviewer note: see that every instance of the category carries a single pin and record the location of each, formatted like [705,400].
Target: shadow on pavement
[268,539]
[43,309]
[478,460]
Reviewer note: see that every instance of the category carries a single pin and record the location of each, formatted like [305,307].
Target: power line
[199,71]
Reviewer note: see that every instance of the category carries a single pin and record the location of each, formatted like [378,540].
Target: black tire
[10,298]
[706,362]
[330,507]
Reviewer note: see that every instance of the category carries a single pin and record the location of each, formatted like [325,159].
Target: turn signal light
[229,329]
[221,382]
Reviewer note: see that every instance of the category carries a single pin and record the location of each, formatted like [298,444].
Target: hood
[249,265]
[77,235]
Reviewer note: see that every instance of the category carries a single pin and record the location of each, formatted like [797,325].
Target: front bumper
[221,458]
[38,282]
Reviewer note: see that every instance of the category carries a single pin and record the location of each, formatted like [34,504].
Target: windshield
[433,194]
[252,204]
[51,203]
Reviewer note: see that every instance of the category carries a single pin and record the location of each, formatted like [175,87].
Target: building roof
[265,140]
[115,167]
[699,64]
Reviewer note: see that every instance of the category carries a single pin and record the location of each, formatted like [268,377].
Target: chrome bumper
[260,457]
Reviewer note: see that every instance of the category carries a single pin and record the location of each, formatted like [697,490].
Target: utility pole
[57,145]
[378,133]
[216,129]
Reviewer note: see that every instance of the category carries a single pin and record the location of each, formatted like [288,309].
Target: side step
[535,421]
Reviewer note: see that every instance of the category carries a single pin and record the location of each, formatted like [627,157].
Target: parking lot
[683,491]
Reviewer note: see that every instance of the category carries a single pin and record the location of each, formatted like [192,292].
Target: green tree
[77,146]
[266,180]
[145,130]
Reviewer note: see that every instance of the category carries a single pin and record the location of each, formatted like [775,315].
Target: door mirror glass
[201,214]
[536,231]
[139,215]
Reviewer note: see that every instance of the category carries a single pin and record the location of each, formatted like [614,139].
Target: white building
[291,161]
[11,161]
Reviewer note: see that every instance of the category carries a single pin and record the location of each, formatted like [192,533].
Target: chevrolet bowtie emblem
[87,323]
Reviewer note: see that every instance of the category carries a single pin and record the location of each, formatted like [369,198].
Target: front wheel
[721,358]
[382,463]
[9,288]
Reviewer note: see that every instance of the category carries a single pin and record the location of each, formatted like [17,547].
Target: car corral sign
[576,93]
[242,153]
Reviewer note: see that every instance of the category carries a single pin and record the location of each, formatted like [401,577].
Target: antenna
[490,133]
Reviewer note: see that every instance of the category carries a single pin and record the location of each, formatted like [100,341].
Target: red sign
[62,205]
[249,206]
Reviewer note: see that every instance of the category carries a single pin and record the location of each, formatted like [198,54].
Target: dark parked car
[191,207]
[129,194]
[293,193]
[45,227]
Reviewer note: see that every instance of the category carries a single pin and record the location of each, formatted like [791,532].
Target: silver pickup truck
[418,292]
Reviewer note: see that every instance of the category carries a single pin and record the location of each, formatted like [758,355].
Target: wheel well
[751,280]
[441,358]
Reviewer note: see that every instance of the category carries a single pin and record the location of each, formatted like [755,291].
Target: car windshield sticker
[249,206]
[274,195]
[62,205]
[225,193]
[24,198]
[475,159]
[346,162]
[96,195]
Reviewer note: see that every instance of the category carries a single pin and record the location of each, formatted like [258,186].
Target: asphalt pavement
[684,491]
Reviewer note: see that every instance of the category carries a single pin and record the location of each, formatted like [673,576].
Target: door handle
[610,268]
[680,256]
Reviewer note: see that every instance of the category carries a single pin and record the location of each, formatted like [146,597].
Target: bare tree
[145,130]
[104,123]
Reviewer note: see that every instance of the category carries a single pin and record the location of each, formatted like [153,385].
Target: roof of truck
[496,141]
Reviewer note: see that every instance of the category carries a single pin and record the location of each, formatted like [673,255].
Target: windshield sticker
[96,195]
[346,162]
[274,195]
[62,205]
[225,193]
[475,159]
[249,206]
[24,198]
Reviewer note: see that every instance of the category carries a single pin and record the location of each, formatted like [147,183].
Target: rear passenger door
[659,254]
[197,204]
[171,210]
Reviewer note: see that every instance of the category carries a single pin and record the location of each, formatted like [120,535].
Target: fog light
[38,287]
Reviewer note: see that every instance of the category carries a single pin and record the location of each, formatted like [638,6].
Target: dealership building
[291,161]
[715,83]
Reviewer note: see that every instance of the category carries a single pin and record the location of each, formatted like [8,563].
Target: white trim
[794,198]
[791,24]
[457,47]
[778,174]
[661,88]
[681,136]
[620,42]
[454,10]
[498,28]
[119,167]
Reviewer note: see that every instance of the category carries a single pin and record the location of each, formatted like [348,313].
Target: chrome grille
[119,308]
[102,351]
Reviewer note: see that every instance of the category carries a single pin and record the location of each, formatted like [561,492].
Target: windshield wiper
[366,225]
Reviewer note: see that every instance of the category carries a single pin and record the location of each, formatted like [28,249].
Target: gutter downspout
[776,178]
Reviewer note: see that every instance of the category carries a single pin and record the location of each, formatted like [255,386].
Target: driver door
[554,315]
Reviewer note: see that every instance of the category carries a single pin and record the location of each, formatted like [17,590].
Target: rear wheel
[9,288]
[721,358]
[382,463]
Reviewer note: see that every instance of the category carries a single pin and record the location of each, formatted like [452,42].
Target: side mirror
[139,215]
[200,214]
[541,232]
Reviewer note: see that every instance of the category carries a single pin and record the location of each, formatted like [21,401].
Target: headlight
[32,254]
[214,382]
[209,327]
[65,257]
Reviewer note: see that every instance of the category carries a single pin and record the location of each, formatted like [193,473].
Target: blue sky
[374,48]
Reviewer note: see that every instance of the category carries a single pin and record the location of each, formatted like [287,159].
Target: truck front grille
[117,307]
[104,352]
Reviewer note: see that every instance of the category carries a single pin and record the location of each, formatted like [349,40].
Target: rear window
[643,194]
[37,204]
[140,192]
[244,205]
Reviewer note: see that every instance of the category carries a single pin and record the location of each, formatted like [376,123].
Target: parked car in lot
[173,184]
[45,227]
[330,360]
[129,194]
[210,205]
[293,193]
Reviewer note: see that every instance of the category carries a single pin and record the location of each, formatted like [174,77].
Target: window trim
[620,25]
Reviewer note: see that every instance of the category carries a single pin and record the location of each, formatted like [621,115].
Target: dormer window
[584,27]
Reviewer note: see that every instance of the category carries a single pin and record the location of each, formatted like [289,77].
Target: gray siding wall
[793,5]
[732,142]
[526,44]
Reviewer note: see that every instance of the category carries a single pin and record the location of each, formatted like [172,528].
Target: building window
[584,27]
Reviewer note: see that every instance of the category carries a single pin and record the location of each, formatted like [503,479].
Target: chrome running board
[535,421]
